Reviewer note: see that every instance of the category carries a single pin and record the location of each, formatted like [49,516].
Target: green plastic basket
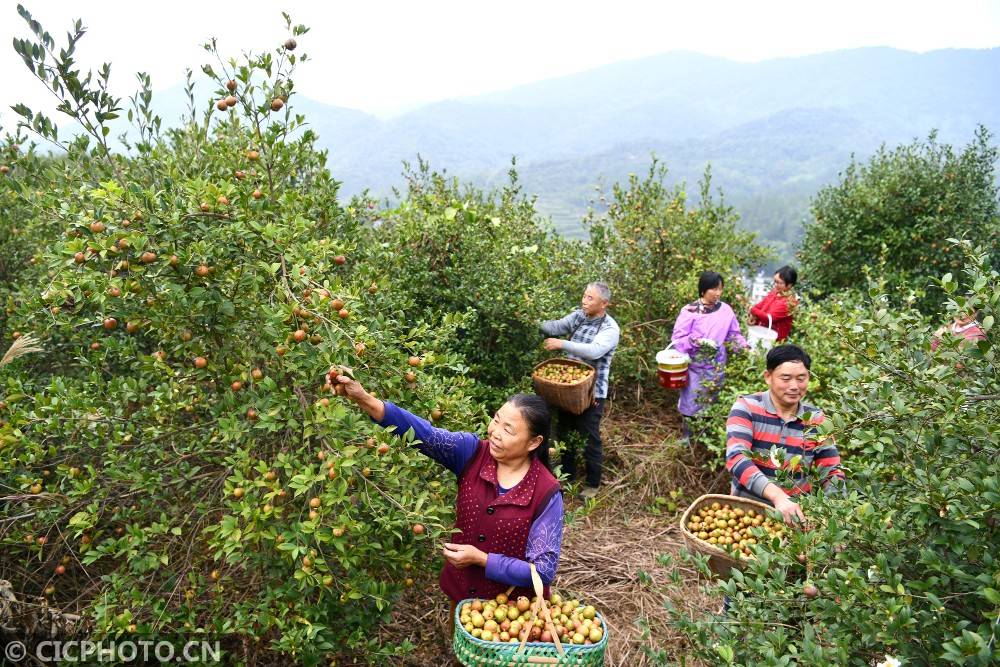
[473,652]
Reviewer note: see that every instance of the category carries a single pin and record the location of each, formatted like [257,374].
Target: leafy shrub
[902,205]
[167,445]
[486,255]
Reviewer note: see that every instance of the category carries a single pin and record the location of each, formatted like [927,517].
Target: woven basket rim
[569,648]
[711,549]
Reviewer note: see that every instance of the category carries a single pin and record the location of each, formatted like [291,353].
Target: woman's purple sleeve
[681,336]
[453,450]
[544,544]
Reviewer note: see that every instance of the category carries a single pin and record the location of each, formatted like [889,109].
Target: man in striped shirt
[766,431]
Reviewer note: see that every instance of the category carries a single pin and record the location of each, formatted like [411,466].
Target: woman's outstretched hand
[345,385]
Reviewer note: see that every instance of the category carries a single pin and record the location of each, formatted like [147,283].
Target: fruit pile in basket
[511,620]
[563,373]
[732,528]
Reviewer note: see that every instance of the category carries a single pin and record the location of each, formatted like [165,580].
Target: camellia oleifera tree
[650,246]
[489,256]
[902,205]
[172,460]
[904,565]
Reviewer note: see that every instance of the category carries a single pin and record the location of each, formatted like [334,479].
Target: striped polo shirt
[759,442]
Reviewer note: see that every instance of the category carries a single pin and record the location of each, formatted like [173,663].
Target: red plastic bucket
[672,379]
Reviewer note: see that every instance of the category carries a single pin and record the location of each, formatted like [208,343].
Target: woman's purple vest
[493,523]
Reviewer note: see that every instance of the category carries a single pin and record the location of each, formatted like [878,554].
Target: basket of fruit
[723,528]
[565,383]
[505,632]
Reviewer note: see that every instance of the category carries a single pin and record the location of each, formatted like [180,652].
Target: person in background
[964,326]
[779,303]
[509,509]
[592,337]
[702,330]
[766,430]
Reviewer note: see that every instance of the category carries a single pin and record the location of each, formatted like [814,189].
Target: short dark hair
[781,354]
[788,274]
[708,280]
[536,412]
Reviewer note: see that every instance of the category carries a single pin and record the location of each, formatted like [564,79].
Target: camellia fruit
[238,492]
[110,323]
[290,44]
[200,362]
[339,259]
[413,361]
[231,85]
[418,529]
[236,385]
[277,103]
[314,502]
[202,270]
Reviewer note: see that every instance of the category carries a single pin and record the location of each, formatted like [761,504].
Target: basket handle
[536,582]
[769,321]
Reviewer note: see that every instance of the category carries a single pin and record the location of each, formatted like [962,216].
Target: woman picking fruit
[702,330]
[779,303]
[509,508]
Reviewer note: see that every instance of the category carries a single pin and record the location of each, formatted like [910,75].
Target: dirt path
[612,551]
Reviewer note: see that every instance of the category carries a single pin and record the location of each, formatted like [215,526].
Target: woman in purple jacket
[509,509]
[702,331]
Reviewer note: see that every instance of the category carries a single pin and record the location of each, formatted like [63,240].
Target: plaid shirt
[592,340]
[759,442]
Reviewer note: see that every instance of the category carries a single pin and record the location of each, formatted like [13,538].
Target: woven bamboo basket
[474,652]
[573,398]
[721,562]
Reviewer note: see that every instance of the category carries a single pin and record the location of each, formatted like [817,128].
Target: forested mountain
[774,131]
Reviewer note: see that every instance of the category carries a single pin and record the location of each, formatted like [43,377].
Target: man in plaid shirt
[765,431]
[593,337]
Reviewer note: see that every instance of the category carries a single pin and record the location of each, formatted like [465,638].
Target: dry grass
[20,347]
[610,552]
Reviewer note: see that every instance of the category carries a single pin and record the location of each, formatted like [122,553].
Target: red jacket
[494,523]
[777,305]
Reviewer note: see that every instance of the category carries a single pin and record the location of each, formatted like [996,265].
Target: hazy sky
[383,56]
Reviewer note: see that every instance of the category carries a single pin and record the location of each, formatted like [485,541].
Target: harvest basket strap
[536,581]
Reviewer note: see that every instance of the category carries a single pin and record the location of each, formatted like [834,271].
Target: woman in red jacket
[779,303]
